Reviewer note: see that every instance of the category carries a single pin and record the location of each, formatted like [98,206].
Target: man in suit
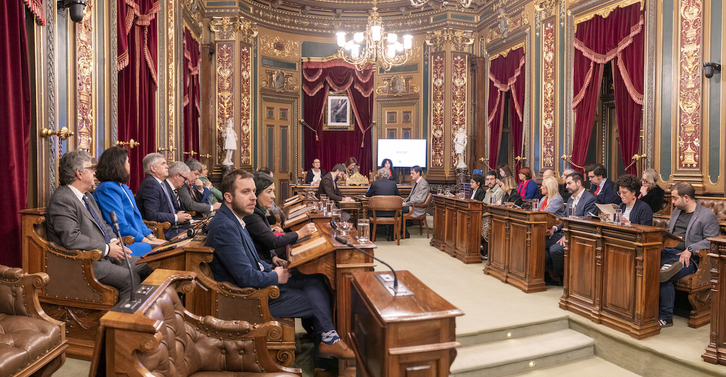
[418,195]
[384,186]
[600,186]
[191,198]
[74,221]
[328,185]
[236,261]
[584,203]
[156,199]
[695,224]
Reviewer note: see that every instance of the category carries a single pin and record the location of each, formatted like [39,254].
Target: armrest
[272,291]
[30,286]
[158,228]
[94,254]
[74,279]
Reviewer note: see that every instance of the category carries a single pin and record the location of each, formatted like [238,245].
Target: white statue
[460,140]
[230,142]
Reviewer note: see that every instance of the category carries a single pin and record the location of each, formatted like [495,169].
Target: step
[590,367]
[509,332]
[512,356]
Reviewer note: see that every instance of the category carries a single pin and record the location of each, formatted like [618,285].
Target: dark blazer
[190,202]
[309,176]
[235,258]
[328,188]
[154,205]
[585,206]
[479,194]
[512,197]
[383,187]
[607,194]
[393,177]
[654,198]
[640,214]
[264,239]
[564,193]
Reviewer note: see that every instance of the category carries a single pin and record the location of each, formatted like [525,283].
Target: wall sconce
[75,7]
[710,68]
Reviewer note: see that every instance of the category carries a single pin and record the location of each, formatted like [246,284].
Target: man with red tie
[600,186]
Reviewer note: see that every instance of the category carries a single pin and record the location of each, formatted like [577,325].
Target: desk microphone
[343,241]
[114,220]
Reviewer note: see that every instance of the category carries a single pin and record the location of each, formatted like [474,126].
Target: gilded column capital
[460,39]
[436,39]
[247,29]
[223,28]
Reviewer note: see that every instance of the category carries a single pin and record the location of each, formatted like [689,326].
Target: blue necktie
[168,197]
[96,219]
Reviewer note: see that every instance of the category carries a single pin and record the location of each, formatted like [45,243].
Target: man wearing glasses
[601,186]
[74,221]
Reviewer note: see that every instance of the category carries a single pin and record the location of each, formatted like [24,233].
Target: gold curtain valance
[605,12]
[506,51]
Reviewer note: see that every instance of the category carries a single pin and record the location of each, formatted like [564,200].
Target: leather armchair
[31,342]
[76,297]
[158,228]
[164,339]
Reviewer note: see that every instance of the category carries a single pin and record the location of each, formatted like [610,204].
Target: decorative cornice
[279,47]
[397,86]
[279,81]
[223,28]
[605,12]
[460,39]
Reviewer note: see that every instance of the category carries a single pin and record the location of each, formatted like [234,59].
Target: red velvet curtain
[191,93]
[14,128]
[334,147]
[504,76]
[619,37]
[137,50]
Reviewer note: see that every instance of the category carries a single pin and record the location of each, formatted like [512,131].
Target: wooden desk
[716,350]
[517,247]
[612,274]
[351,191]
[457,227]
[401,335]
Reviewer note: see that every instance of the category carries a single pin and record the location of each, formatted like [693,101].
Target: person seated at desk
[551,200]
[215,195]
[527,188]
[383,186]
[504,171]
[634,211]
[495,193]
[274,211]
[477,192]
[351,166]
[584,203]
[236,261]
[156,198]
[192,194]
[74,221]
[600,186]
[315,174]
[113,195]
[329,186]
[509,186]
[419,193]
[388,164]
[695,224]
[269,246]
[650,193]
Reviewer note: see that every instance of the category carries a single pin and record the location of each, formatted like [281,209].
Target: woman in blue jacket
[113,195]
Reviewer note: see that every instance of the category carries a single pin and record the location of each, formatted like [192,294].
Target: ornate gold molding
[397,86]
[436,39]
[548,95]
[279,81]
[460,39]
[506,24]
[279,47]
[171,75]
[604,12]
[245,139]
[459,73]
[689,81]
[506,51]
[85,47]
[248,31]
[225,92]
[223,28]
[438,89]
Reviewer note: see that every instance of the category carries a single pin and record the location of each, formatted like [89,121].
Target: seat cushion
[242,374]
[23,340]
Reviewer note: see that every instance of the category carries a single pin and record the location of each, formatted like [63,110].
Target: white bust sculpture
[460,140]
[230,142]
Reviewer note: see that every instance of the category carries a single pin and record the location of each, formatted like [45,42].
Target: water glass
[329,208]
[364,230]
[462,195]
[618,217]
[447,192]
[335,215]
[492,200]
[535,204]
[572,211]
[323,197]
[439,191]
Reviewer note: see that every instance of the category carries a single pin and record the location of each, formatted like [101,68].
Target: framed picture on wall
[338,113]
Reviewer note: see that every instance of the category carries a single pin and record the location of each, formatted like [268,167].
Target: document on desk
[606,209]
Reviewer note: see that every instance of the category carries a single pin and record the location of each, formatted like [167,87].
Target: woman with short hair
[113,195]
[650,193]
[509,186]
[315,174]
[527,186]
[634,211]
[476,183]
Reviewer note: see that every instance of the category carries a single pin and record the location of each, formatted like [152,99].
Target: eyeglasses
[621,193]
[91,168]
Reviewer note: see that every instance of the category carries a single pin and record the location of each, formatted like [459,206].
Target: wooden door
[276,146]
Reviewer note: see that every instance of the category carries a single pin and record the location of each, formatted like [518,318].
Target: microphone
[114,220]
[403,290]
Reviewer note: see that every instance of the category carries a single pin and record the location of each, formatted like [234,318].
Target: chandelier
[420,3]
[375,46]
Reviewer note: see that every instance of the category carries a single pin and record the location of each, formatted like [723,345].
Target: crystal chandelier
[420,3]
[375,46]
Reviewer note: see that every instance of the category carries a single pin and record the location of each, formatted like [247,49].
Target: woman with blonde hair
[509,186]
[551,201]
[650,193]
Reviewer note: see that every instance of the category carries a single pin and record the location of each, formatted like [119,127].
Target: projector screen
[403,152]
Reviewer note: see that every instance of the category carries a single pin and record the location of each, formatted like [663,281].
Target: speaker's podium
[410,334]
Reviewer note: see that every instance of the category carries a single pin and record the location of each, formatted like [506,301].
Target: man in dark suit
[600,186]
[328,185]
[695,224]
[156,198]
[584,203]
[187,192]
[236,261]
[384,186]
[74,221]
